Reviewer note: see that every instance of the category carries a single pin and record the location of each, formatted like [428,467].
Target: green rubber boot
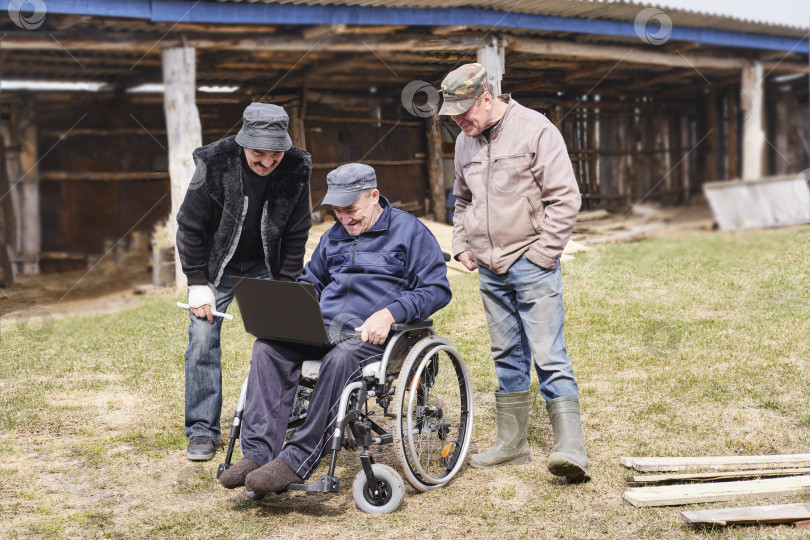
[511,445]
[569,458]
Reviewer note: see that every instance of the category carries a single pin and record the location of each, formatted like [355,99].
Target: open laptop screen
[280,310]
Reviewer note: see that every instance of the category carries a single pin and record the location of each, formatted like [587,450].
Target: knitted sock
[271,478]
[235,476]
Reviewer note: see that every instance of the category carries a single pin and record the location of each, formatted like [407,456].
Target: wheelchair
[425,383]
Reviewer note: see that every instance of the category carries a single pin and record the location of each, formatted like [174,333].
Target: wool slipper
[270,478]
[235,476]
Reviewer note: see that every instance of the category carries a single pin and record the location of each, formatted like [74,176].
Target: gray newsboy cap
[345,184]
[264,127]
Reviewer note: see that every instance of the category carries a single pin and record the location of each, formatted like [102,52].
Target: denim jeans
[203,357]
[525,313]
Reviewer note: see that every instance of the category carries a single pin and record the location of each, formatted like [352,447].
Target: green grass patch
[682,346]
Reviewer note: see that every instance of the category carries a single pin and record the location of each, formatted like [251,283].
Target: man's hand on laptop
[200,300]
[375,329]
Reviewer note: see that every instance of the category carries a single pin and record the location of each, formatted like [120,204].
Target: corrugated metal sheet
[756,204]
[587,9]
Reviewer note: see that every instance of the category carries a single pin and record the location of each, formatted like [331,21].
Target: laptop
[283,311]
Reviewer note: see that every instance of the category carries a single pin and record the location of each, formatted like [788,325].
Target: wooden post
[785,125]
[607,140]
[592,160]
[12,164]
[752,99]
[673,144]
[493,59]
[31,225]
[732,142]
[710,165]
[434,167]
[6,220]
[621,163]
[298,135]
[297,128]
[686,160]
[660,180]
[183,131]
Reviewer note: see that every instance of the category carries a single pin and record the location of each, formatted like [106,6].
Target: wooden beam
[371,162]
[749,515]
[660,464]
[70,176]
[649,479]
[585,72]
[714,492]
[634,55]
[445,30]
[183,131]
[131,43]
[353,120]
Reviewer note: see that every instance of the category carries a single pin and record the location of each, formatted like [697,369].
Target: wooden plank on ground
[663,464]
[722,491]
[725,476]
[749,515]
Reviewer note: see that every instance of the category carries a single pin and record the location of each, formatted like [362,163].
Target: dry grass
[683,346]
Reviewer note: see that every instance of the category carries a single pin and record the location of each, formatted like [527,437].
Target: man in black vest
[246,213]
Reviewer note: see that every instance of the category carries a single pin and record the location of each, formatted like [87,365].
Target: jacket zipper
[348,282]
[486,188]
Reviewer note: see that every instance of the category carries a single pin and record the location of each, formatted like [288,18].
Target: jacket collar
[496,129]
[339,232]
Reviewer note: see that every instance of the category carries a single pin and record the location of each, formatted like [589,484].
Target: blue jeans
[525,313]
[203,357]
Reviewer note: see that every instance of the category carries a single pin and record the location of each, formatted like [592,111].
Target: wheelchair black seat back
[423,387]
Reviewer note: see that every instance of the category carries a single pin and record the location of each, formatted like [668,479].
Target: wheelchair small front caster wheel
[385,497]
[253,496]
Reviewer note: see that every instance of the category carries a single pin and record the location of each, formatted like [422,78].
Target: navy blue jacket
[396,264]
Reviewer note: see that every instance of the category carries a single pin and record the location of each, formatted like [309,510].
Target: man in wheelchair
[379,266]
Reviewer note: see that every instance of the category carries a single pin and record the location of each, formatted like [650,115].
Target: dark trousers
[274,373]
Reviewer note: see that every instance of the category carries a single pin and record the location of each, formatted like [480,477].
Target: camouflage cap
[462,87]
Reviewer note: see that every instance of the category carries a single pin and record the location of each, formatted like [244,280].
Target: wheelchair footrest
[324,484]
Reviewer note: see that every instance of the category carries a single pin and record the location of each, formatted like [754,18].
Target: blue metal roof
[303,14]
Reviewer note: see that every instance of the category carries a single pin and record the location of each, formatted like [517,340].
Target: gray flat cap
[264,127]
[345,184]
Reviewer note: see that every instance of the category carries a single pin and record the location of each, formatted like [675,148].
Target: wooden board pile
[728,478]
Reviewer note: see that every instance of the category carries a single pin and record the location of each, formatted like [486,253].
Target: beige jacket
[515,195]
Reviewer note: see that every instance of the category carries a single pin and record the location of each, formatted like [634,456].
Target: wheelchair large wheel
[434,404]
[389,485]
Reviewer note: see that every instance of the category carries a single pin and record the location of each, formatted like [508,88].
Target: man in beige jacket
[516,203]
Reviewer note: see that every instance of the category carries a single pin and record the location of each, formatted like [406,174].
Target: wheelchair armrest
[400,327]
